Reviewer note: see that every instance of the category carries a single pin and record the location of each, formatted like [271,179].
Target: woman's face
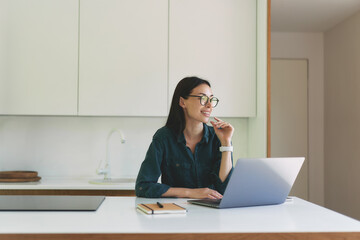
[193,110]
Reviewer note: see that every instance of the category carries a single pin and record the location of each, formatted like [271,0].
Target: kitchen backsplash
[74,146]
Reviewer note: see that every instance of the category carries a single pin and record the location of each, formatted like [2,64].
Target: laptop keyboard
[208,202]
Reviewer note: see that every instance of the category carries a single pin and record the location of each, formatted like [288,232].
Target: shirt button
[177,165]
[140,188]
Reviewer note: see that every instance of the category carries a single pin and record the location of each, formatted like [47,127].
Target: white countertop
[66,184]
[119,215]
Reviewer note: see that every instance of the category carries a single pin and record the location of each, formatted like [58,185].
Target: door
[289,115]
[123,57]
[216,40]
[38,57]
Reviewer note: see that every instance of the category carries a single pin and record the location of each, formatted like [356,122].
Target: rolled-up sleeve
[147,180]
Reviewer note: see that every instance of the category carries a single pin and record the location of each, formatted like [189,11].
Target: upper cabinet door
[216,40]
[38,57]
[123,57]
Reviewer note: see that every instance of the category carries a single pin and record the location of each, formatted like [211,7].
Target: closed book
[153,208]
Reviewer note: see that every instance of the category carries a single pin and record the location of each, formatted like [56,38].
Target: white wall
[257,130]
[74,146]
[309,46]
[342,117]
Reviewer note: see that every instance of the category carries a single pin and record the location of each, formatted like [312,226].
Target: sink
[112,181]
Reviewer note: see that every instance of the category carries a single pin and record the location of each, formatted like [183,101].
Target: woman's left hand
[223,130]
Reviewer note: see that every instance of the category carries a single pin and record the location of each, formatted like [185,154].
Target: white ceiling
[310,15]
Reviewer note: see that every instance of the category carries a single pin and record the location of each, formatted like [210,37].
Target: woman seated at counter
[193,159]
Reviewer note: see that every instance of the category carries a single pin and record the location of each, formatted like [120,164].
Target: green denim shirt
[169,157]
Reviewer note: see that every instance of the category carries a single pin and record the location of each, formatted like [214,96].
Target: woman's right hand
[200,193]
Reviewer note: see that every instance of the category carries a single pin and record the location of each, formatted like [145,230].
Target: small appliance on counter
[50,203]
[19,176]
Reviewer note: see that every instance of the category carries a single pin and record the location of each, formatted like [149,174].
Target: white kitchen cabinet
[123,57]
[216,40]
[38,57]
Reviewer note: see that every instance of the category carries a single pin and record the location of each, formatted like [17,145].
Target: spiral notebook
[153,208]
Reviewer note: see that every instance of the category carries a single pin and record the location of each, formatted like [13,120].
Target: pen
[159,204]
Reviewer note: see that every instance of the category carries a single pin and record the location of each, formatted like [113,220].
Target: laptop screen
[50,203]
[258,182]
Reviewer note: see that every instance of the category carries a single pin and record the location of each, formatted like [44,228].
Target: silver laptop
[50,203]
[256,182]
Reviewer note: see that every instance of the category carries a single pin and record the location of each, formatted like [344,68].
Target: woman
[185,152]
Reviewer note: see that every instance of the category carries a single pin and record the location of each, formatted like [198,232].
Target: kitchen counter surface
[66,184]
[117,218]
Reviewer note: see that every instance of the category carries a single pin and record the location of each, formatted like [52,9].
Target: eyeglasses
[205,99]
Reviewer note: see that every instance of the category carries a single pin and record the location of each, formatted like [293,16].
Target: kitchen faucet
[106,170]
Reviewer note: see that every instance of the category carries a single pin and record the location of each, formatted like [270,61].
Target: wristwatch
[226,149]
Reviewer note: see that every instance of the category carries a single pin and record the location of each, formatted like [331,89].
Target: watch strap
[226,148]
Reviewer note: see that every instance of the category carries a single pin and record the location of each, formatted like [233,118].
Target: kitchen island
[118,218]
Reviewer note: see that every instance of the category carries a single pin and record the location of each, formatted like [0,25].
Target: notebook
[154,208]
[50,203]
[256,182]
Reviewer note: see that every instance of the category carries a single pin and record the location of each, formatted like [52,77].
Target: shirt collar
[205,138]
[181,138]
[206,134]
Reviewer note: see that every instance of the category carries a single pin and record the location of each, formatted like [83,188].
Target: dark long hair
[176,118]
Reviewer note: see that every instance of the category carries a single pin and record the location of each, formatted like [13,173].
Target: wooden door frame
[268,135]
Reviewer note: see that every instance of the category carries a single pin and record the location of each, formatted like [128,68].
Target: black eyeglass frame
[208,99]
